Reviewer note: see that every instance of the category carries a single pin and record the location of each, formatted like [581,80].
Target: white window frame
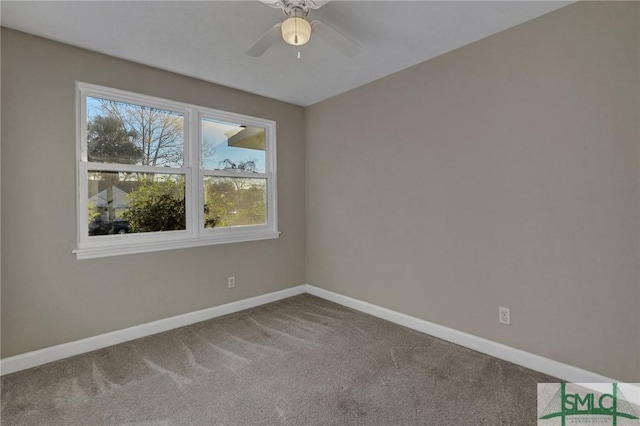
[196,235]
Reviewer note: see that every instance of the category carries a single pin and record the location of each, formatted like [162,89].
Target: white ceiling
[207,39]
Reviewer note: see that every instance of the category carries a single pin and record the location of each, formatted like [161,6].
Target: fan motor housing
[293,8]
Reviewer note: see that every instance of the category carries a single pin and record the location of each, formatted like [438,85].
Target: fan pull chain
[295,23]
[298,54]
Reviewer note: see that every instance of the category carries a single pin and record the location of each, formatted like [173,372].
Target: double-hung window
[155,174]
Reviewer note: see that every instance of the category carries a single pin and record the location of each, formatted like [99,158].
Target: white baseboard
[538,363]
[65,350]
[534,362]
[497,350]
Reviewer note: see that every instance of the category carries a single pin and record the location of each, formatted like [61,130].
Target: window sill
[93,251]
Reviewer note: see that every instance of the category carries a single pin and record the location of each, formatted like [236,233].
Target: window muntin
[156,174]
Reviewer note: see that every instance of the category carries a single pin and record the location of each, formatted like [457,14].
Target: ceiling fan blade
[281,4]
[335,38]
[317,4]
[269,38]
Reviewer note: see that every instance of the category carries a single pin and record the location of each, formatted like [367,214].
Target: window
[155,175]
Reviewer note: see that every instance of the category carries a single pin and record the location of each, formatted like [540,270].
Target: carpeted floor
[300,361]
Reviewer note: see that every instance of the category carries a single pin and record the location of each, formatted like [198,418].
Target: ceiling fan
[296,30]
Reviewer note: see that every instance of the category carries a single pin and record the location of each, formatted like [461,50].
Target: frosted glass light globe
[296,31]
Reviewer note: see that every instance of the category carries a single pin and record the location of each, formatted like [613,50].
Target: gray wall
[49,297]
[504,173]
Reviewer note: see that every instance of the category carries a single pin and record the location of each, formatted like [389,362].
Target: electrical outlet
[231,281]
[504,315]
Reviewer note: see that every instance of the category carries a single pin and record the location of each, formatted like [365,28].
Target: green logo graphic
[564,405]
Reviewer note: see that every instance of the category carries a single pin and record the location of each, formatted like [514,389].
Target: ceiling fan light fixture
[296,31]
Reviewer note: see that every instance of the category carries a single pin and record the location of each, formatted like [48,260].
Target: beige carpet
[300,361]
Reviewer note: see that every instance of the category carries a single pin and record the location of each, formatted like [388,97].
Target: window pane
[122,203]
[228,146]
[123,133]
[234,201]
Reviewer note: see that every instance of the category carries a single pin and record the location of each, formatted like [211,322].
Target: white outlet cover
[504,315]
